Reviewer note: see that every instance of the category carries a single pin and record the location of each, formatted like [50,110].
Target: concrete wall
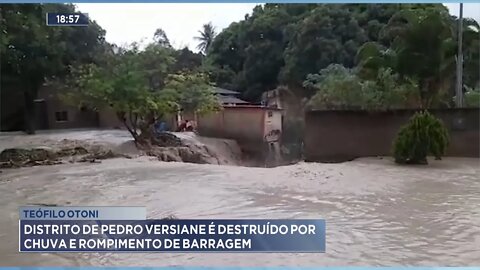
[46,104]
[292,104]
[76,117]
[248,125]
[344,135]
[108,119]
[273,126]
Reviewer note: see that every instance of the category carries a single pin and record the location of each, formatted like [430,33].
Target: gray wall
[77,118]
[344,135]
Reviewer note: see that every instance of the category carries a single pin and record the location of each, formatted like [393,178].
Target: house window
[61,116]
[270,113]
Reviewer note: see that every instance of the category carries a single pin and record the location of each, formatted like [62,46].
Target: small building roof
[231,100]
[222,91]
[252,106]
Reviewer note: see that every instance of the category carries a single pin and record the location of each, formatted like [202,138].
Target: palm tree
[422,48]
[426,50]
[372,56]
[471,52]
[207,34]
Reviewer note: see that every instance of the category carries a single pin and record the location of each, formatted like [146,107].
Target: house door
[41,115]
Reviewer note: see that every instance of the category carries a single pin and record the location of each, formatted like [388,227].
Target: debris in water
[45,204]
[20,157]
[170,217]
[72,151]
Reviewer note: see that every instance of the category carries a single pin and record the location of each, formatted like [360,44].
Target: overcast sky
[126,23]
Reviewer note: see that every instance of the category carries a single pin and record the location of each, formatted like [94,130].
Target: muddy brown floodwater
[377,213]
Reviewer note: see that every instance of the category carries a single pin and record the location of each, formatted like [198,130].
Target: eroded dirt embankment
[50,148]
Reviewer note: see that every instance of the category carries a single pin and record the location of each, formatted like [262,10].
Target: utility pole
[459,85]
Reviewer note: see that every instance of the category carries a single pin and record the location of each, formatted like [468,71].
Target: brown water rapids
[377,213]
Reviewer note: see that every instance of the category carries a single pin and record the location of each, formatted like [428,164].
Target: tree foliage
[186,60]
[423,48]
[193,92]
[160,38]
[423,135]
[330,34]
[281,44]
[426,51]
[471,52]
[207,34]
[337,87]
[125,86]
[138,86]
[32,52]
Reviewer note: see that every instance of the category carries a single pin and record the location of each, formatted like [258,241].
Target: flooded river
[377,213]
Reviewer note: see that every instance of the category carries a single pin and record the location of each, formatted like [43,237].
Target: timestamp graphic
[67,19]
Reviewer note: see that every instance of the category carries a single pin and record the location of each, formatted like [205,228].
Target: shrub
[337,87]
[423,135]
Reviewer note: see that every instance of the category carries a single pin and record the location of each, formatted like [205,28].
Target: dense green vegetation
[141,86]
[31,51]
[283,44]
[423,135]
[337,87]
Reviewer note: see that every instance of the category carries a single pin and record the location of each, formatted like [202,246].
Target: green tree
[282,43]
[124,86]
[371,57]
[207,34]
[422,48]
[193,92]
[330,34]
[426,51]
[156,61]
[138,87]
[186,60]
[471,52]
[160,38]
[265,43]
[337,87]
[248,55]
[32,52]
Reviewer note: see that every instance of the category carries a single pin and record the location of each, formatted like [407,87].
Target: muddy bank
[27,157]
[192,148]
[47,148]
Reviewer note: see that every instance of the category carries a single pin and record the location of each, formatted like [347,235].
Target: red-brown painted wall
[245,124]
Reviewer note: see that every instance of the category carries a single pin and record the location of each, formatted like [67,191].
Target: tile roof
[231,100]
[222,91]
